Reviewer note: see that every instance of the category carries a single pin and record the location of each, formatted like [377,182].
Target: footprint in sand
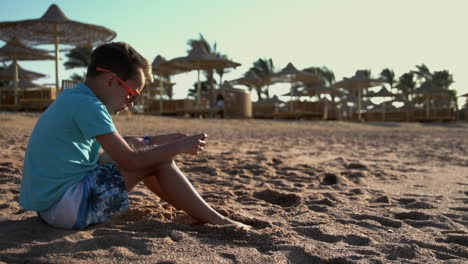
[356,166]
[381,220]
[395,251]
[317,233]
[457,239]
[321,205]
[419,219]
[413,215]
[461,219]
[420,205]
[278,198]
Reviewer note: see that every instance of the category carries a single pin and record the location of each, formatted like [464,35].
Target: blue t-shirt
[63,148]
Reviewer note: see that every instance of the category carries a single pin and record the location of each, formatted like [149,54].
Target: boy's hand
[193,145]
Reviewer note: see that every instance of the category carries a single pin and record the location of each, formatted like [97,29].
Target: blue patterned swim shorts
[100,195]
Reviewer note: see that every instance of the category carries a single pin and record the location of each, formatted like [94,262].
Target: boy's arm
[154,140]
[130,159]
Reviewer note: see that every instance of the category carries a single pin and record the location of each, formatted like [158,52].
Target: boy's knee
[167,163]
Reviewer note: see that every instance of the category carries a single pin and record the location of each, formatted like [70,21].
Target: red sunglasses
[133,94]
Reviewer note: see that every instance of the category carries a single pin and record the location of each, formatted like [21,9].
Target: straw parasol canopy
[320,88]
[383,92]
[8,74]
[272,100]
[227,86]
[160,67]
[358,82]
[21,84]
[427,91]
[250,79]
[296,90]
[15,51]
[199,59]
[164,71]
[55,27]
[291,74]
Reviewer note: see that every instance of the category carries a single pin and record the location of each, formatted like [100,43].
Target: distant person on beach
[219,106]
[62,179]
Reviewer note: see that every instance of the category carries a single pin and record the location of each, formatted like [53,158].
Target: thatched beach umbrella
[15,51]
[13,72]
[55,28]
[382,93]
[199,59]
[430,91]
[8,74]
[273,100]
[291,75]
[358,82]
[164,71]
[296,90]
[320,89]
[21,84]
[250,79]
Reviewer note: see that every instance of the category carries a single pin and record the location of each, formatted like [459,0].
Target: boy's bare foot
[227,221]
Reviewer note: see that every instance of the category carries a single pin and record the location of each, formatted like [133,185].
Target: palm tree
[201,41]
[325,73]
[209,74]
[169,90]
[422,73]
[221,71]
[78,57]
[257,88]
[205,88]
[442,79]
[207,47]
[365,73]
[259,91]
[388,76]
[264,68]
[406,84]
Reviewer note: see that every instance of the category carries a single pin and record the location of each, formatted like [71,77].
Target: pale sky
[344,35]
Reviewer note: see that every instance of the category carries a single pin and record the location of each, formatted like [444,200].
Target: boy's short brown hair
[120,58]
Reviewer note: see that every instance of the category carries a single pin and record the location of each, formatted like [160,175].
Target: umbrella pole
[383,112]
[198,88]
[291,106]
[359,104]
[160,95]
[15,81]
[57,88]
[427,107]
[325,112]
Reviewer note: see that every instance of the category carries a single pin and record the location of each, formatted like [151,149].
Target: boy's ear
[106,80]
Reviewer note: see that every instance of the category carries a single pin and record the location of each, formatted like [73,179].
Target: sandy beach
[314,192]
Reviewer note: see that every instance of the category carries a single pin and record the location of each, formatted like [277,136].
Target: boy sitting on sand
[62,179]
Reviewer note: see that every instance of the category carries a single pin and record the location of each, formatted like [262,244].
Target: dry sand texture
[315,192]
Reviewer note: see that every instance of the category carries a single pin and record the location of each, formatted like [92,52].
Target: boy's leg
[168,182]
